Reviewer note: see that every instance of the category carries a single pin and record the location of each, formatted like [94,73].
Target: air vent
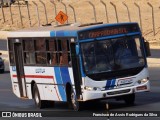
[118,92]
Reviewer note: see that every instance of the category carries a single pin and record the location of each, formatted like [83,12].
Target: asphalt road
[148,101]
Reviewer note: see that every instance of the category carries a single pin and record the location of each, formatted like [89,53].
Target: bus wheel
[49,104]
[129,99]
[39,103]
[73,103]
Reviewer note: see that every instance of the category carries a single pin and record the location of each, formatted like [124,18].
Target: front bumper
[91,95]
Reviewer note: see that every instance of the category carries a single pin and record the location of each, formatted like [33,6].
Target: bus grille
[118,92]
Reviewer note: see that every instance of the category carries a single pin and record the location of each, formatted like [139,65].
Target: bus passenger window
[58,52]
[29,58]
[12,61]
[64,59]
[40,44]
[29,54]
[10,42]
[52,58]
[52,46]
[41,58]
[26,58]
[64,55]
[28,45]
[11,53]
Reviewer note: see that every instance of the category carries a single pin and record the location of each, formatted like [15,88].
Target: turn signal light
[142,87]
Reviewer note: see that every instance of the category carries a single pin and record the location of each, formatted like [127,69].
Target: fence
[40,13]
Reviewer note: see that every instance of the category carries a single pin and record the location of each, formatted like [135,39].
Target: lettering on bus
[107,32]
[40,70]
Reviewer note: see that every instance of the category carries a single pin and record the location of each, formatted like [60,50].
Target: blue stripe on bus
[52,34]
[70,33]
[59,81]
[65,75]
[108,83]
[63,33]
[60,33]
[113,83]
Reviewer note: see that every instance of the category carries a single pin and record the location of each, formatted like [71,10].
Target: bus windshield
[112,55]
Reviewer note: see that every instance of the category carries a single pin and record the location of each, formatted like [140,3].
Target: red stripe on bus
[35,76]
[57,94]
[39,76]
[14,75]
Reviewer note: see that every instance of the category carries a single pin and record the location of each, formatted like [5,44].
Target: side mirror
[147,49]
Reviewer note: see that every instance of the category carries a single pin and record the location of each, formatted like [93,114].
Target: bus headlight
[91,88]
[142,81]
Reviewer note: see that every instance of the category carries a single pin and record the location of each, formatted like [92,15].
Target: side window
[40,57]
[10,44]
[29,54]
[40,47]
[58,52]
[40,44]
[28,45]
[52,57]
[65,53]
[138,45]
[11,51]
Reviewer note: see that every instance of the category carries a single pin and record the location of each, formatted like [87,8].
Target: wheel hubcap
[36,98]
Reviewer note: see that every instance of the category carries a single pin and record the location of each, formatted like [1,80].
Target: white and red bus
[76,63]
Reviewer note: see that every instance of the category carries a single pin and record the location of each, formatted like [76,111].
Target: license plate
[125,81]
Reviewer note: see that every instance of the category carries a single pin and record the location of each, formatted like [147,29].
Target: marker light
[91,88]
[142,81]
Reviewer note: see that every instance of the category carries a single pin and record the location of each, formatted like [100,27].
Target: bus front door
[20,69]
[76,70]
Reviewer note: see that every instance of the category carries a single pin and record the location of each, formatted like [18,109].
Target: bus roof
[69,30]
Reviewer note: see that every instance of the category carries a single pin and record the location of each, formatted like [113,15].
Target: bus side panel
[13,74]
[15,88]
[62,78]
[51,81]
[42,76]
[29,91]
[14,81]
[51,93]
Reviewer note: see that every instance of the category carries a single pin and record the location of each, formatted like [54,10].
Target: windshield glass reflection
[112,55]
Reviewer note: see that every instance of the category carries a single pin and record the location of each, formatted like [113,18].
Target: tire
[72,101]
[49,104]
[38,102]
[129,99]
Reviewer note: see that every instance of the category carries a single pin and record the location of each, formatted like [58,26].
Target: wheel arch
[68,90]
[32,84]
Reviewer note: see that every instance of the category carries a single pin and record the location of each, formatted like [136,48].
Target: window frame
[11,51]
[47,51]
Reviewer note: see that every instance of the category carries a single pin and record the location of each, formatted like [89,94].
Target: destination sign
[108,31]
